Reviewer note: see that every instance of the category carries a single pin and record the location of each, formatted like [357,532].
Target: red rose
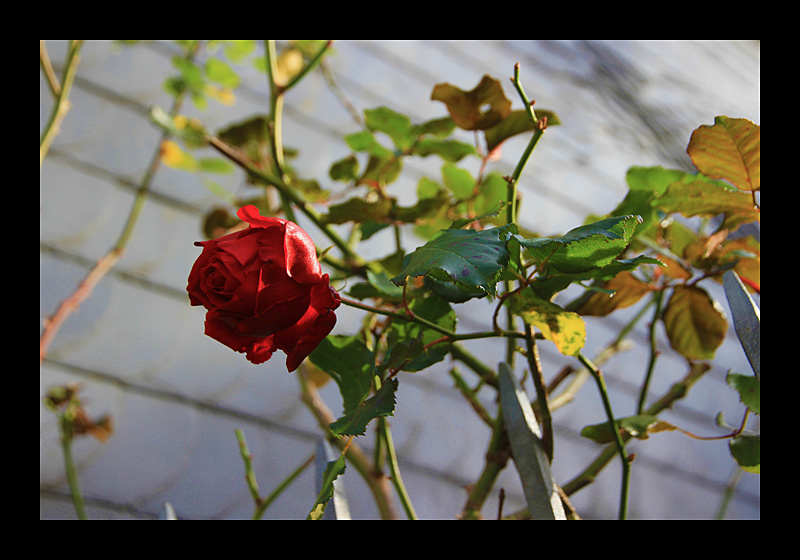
[264,290]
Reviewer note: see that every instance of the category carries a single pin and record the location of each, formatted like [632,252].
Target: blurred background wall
[138,350]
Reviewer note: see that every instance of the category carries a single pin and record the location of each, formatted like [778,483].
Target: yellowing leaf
[173,156]
[694,322]
[223,95]
[731,150]
[564,328]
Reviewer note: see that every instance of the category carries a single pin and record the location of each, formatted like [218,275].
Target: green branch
[601,385]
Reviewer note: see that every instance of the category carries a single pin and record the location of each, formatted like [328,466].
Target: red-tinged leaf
[694,322]
[729,149]
[627,290]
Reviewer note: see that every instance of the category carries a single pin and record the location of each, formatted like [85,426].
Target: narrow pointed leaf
[332,490]
[331,472]
[530,458]
[746,318]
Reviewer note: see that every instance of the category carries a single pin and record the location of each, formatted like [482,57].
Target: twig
[107,262]
[62,103]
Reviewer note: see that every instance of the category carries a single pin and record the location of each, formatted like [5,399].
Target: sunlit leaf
[729,149]
[696,195]
[695,323]
[586,247]
[477,109]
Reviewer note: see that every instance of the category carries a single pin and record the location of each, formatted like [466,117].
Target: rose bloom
[264,290]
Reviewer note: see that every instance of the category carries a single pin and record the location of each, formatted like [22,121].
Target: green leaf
[449,150]
[586,247]
[355,422]
[695,323]
[468,257]
[216,165]
[545,288]
[454,293]
[746,449]
[378,286]
[564,328]
[332,472]
[730,150]
[345,169]
[364,141]
[440,127]
[477,109]
[749,388]
[219,72]
[391,123]
[640,426]
[350,363]
[433,309]
[652,179]
[459,181]
[358,210]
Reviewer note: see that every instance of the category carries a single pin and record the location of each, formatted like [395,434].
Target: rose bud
[264,290]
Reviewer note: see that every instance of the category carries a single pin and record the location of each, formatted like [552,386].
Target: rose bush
[264,290]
